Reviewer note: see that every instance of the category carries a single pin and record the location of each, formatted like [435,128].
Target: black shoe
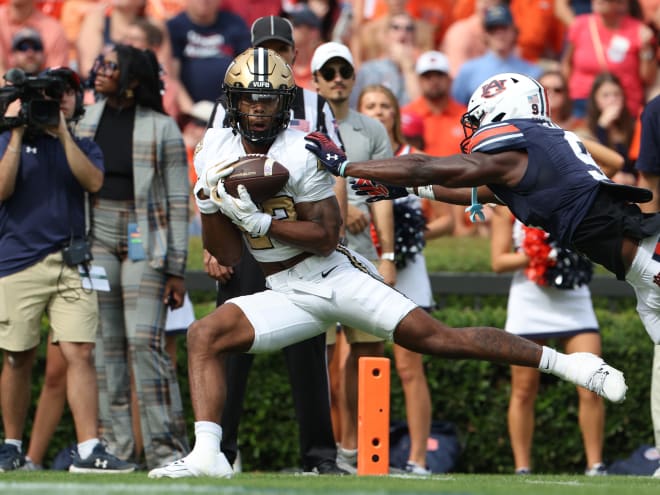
[100,461]
[10,458]
[330,467]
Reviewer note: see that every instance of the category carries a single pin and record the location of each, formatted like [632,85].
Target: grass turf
[56,483]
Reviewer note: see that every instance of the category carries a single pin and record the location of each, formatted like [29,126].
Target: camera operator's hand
[61,130]
[13,109]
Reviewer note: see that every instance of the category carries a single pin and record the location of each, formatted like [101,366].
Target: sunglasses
[25,46]
[409,28]
[329,73]
[105,67]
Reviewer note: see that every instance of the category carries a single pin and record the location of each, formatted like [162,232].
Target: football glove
[329,154]
[242,211]
[211,175]
[377,191]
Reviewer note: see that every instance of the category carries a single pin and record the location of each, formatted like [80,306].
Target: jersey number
[581,152]
[280,208]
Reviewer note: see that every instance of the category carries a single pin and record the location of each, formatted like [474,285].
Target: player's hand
[329,154]
[242,211]
[213,174]
[377,191]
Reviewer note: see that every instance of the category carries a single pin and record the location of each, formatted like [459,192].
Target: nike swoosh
[325,274]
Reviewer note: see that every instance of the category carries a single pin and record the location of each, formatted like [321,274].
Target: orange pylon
[373,426]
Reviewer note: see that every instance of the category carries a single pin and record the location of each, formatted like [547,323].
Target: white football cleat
[591,372]
[189,467]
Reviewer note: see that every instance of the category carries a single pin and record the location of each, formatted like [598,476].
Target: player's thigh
[366,303]
[277,321]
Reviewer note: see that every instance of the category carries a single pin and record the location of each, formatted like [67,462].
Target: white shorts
[306,299]
[642,271]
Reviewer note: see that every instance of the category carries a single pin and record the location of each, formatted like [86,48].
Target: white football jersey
[308,182]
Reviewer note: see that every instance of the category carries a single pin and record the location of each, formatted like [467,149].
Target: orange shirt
[443,131]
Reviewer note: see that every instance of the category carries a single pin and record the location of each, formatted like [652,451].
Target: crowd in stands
[397,76]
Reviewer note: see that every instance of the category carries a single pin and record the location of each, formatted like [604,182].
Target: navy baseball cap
[498,16]
[272,27]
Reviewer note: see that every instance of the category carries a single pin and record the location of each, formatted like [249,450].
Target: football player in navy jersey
[312,280]
[515,155]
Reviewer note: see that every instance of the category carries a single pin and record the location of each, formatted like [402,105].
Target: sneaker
[187,468]
[10,458]
[414,468]
[31,466]
[523,471]
[592,373]
[657,473]
[347,460]
[328,466]
[100,461]
[598,469]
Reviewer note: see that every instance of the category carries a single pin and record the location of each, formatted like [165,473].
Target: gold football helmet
[258,85]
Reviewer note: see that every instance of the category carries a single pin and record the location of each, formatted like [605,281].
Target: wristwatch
[387,256]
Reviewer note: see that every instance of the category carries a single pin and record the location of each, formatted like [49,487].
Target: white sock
[207,437]
[16,443]
[85,448]
[553,362]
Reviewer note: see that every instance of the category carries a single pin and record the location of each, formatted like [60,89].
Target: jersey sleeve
[498,137]
[316,183]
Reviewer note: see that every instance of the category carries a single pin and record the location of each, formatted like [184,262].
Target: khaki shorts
[353,335]
[49,287]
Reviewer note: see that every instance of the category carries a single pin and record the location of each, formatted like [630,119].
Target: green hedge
[473,395]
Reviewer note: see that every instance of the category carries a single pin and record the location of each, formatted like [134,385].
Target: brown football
[262,176]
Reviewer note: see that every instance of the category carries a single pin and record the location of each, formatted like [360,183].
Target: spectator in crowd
[561,107]
[27,52]
[648,166]
[140,233]
[328,11]
[370,40]
[306,36]
[395,66]
[306,360]
[144,34]
[610,123]
[364,138]
[549,298]
[441,117]
[103,27]
[411,232]
[412,129]
[39,272]
[609,40]
[540,34]
[301,302]
[18,14]
[501,34]
[204,41]
[466,37]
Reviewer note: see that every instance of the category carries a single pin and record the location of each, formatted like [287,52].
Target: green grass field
[56,483]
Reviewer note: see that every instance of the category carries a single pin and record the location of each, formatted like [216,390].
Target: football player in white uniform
[312,281]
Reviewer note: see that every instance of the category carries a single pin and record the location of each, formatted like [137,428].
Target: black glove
[377,191]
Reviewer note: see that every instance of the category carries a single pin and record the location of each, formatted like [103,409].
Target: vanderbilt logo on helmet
[493,88]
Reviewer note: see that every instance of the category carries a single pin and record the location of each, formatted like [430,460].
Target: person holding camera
[44,174]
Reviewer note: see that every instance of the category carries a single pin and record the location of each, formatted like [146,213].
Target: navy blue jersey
[565,193]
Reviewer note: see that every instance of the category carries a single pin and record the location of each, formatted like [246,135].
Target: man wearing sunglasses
[364,139]
[27,52]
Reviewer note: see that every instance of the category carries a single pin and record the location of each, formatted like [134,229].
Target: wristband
[387,256]
[342,168]
[411,190]
[426,192]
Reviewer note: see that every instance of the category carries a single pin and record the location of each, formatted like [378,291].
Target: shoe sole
[74,469]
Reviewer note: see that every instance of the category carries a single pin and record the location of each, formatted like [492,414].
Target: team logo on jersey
[493,88]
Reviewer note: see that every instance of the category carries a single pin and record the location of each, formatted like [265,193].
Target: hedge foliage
[471,394]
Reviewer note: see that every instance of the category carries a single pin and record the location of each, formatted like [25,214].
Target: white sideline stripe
[36,488]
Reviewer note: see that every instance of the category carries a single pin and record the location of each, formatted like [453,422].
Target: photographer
[44,173]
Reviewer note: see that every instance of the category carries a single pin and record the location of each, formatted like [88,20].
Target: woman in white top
[539,310]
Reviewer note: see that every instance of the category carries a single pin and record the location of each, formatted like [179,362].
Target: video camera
[36,111]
